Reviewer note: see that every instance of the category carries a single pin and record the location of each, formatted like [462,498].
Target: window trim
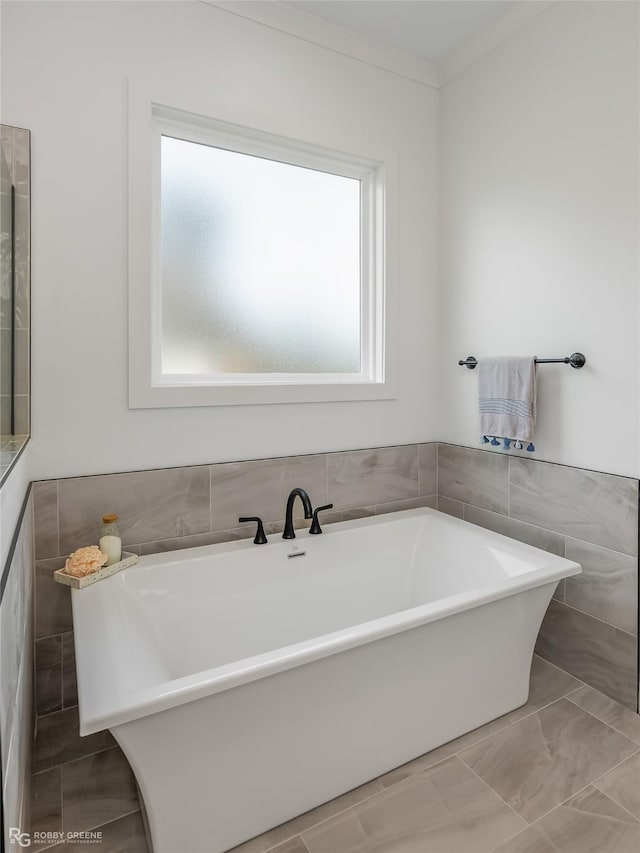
[148,388]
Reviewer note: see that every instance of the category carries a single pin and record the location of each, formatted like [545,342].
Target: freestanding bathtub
[249,684]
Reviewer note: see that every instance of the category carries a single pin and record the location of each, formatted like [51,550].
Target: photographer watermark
[18,838]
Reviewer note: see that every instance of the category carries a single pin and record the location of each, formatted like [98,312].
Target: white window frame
[148,387]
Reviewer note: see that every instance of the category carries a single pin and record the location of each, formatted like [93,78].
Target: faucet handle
[260,538]
[315,524]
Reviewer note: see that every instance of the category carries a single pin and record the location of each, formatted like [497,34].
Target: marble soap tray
[127,560]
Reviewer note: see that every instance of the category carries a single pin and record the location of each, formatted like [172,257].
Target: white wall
[539,245]
[540,228]
[64,70]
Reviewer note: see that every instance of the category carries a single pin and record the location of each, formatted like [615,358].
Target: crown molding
[309,28]
[489,37]
[312,29]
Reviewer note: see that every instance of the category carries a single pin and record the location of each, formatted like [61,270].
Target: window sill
[170,396]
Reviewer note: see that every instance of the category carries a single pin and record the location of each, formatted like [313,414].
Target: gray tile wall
[184,507]
[16,685]
[591,627]
[159,511]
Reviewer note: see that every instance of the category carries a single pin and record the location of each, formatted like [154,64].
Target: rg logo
[23,838]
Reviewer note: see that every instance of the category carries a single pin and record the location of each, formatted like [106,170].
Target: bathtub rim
[97,712]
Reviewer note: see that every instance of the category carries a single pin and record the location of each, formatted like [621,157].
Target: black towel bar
[576,359]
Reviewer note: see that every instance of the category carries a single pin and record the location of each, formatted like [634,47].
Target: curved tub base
[220,770]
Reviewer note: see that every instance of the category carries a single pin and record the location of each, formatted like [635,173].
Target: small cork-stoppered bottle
[110,541]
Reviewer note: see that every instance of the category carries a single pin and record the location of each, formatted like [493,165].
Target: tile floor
[559,775]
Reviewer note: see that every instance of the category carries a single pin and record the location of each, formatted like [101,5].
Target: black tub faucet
[315,524]
[260,538]
[289,532]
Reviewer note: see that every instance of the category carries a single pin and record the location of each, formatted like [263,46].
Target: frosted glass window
[260,265]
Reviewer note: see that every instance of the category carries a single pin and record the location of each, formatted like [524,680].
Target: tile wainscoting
[16,665]
[85,783]
[590,629]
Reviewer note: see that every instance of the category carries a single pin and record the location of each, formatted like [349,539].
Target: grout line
[604,723]
[286,841]
[484,737]
[542,461]
[589,785]
[41,772]
[43,845]
[486,785]
[519,521]
[191,536]
[325,819]
[326,475]
[303,842]
[108,823]
[64,763]
[610,798]
[598,619]
[61,673]
[564,671]
[575,690]
[506,725]
[51,636]
[541,527]
[75,760]
[325,469]
[61,797]
[595,716]
[82,757]
[42,560]
[518,720]
[413,775]
[58,514]
[544,835]
[51,713]
[210,472]
[601,547]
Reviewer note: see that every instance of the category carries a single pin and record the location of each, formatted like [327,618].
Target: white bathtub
[246,687]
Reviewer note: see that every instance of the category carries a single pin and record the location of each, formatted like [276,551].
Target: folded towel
[507,397]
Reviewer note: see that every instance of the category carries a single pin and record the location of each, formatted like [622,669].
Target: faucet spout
[289,532]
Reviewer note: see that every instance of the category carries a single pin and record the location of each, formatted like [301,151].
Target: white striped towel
[507,397]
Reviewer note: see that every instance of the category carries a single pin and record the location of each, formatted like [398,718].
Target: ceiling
[430,29]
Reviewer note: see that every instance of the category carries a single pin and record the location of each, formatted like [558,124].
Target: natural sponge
[85,561]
